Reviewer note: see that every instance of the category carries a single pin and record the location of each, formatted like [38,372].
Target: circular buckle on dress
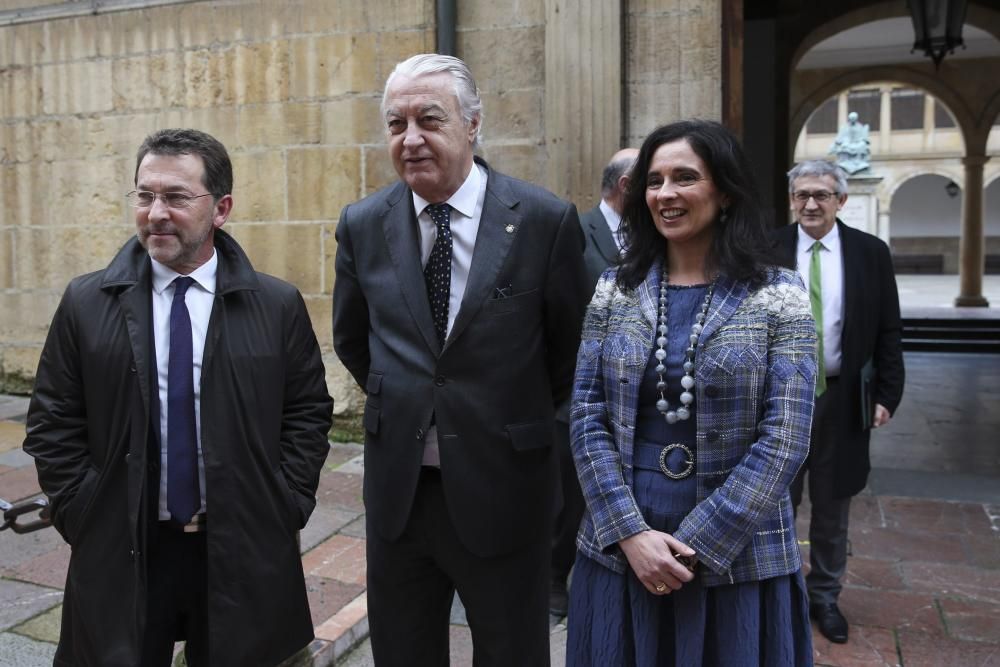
[663,461]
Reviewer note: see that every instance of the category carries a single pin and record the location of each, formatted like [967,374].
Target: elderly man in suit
[852,291]
[457,308]
[600,229]
[179,424]
[600,224]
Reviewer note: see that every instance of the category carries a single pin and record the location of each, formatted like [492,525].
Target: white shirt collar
[465,198]
[611,215]
[204,275]
[829,241]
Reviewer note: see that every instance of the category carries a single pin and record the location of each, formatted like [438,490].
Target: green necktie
[816,301]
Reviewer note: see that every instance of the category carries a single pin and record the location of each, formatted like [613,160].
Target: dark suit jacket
[601,251]
[491,390]
[871,331]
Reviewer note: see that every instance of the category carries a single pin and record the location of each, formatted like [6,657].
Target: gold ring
[660,587]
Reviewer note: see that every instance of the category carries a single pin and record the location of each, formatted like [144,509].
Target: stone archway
[926,225]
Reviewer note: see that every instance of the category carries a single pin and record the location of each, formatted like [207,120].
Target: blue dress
[615,622]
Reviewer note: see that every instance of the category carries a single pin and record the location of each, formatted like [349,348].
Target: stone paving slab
[44,627]
[24,651]
[19,484]
[16,458]
[920,650]
[922,588]
[16,550]
[324,522]
[11,435]
[868,647]
[13,407]
[22,601]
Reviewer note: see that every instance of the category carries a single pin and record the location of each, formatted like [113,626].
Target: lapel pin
[510,229]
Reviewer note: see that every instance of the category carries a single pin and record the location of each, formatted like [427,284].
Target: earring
[723,216]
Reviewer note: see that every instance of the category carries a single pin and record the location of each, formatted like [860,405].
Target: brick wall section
[292,89]
[504,46]
[673,63]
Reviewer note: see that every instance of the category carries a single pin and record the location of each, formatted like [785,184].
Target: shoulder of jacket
[376,203]
[497,182]
[782,291]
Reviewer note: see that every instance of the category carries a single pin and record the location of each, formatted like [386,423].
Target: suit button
[623,380]
[711,391]
[712,436]
[439,381]
[420,434]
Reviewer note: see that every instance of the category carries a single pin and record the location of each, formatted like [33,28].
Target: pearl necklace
[687,381]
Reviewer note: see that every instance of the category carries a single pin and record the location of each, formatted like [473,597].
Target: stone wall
[292,89]
[673,63]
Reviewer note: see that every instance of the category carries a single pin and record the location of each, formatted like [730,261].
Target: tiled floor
[923,583]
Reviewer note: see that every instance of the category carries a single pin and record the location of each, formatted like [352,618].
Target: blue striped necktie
[183,498]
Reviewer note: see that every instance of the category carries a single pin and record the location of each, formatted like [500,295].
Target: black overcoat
[872,331]
[265,415]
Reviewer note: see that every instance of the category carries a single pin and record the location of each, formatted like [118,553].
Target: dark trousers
[570,510]
[828,520]
[412,580]
[177,600]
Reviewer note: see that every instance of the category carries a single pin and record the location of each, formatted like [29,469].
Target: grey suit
[490,391]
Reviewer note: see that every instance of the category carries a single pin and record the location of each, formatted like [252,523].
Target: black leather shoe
[831,622]
[558,598]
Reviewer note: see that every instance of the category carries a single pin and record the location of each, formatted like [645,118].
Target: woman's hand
[652,556]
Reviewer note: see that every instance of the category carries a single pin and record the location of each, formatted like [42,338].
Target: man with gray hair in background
[859,383]
[457,308]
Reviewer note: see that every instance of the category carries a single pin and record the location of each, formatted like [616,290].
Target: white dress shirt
[831,261]
[466,212]
[199,299]
[614,222]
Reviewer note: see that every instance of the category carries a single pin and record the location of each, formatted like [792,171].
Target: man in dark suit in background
[852,288]
[601,223]
[457,307]
[600,227]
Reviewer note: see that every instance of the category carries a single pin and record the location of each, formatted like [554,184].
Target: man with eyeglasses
[178,425]
[853,293]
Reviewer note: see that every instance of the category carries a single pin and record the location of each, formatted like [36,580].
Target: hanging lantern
[937,26]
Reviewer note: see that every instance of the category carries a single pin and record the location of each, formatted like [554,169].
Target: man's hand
[881,416]
[651,556]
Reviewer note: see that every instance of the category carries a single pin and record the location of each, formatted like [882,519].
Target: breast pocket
[516,303]
[624,360]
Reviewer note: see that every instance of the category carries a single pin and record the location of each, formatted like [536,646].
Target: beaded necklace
[687,381]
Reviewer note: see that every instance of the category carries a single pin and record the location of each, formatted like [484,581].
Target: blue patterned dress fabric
[616,622]
[437,272]
[183,499]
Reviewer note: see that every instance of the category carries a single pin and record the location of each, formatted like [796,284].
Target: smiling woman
[691,408]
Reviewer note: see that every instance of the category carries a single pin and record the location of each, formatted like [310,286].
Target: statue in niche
[852,148]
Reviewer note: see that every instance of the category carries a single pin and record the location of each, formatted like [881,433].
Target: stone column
[971,245]
[883,231]
[583,94]
[884,121]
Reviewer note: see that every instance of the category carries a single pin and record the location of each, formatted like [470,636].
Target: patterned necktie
[816,301]
[183,498]
[437,272]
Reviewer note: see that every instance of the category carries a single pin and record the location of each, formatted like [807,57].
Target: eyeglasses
[175,200]
[821,196]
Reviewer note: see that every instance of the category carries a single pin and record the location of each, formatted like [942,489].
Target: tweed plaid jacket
[755,374]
